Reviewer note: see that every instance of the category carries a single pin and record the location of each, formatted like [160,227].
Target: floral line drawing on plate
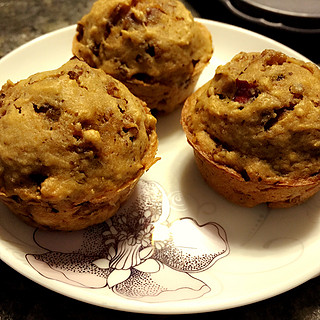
[138,253]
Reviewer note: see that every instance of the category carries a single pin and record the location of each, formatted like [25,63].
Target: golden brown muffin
[73,144]
[153,46]
[255,129]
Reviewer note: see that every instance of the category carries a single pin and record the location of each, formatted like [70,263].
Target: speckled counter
[20,298]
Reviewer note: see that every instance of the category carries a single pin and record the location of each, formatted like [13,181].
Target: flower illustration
[127,254]
[136,253]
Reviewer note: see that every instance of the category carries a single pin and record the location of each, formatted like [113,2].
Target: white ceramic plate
[178,247]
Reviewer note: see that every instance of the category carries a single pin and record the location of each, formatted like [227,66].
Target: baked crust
[250,178]
[74,142]
[153,46]
[233,187]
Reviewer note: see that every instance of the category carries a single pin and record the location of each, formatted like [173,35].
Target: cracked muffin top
[139,38]
[259,115]
[73,133]
[144,41]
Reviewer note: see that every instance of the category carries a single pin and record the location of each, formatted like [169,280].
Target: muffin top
[259,115]
[73,133]
[143,40]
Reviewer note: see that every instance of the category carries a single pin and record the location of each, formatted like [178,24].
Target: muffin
[73,144]
[255,129]
[153,46]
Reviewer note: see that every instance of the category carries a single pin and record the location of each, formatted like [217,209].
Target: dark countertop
[20,298]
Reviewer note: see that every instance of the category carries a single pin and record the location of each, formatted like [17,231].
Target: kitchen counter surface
[20,298]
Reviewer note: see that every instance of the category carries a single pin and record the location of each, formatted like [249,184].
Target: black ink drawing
[138,253]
